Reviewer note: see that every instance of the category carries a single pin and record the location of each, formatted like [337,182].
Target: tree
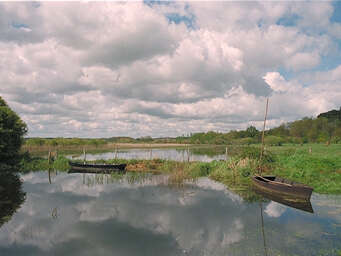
[252,131]
[12,131]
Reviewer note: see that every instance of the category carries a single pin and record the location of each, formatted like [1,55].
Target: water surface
[194,154]
[99,215]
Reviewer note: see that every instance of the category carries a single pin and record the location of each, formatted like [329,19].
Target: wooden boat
[96,168]
[282,187]
[303,205]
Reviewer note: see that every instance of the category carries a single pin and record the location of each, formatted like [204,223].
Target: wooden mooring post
[188,154]
[84,155]
[49,157]
[115,151]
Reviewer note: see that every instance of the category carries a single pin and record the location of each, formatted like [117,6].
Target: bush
[254,153]
[273,140]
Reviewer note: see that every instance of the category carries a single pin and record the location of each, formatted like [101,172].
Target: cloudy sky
[95,69]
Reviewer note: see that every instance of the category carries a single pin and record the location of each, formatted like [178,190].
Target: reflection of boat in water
[300,204]
[282,187]
[96,168]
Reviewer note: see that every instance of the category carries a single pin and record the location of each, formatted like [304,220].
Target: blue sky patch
[177,18]
[188,20]
[288,21]
[19,25]
[150,3]
[336,17]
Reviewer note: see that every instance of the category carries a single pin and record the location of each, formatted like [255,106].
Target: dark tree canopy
[12,130]
[252,131]
[331,115]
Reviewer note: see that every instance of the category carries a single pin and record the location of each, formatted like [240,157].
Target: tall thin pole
[262,149]
[49,157]
[187,153]
[84,155]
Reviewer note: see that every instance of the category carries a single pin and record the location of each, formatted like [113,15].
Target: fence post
[187,153]
[84,155]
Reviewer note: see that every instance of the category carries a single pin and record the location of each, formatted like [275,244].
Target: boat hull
[96,168]
[300,204]
[294,190]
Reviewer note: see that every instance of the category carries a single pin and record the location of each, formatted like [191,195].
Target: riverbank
[315,165]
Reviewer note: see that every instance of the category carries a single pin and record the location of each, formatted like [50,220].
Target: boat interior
[266,178]
[276,179]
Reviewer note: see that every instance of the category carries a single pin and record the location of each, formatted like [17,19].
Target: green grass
[321,171]
[29,164]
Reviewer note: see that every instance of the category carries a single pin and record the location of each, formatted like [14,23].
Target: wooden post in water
[49,157]
[226,154]
[187,153]
[84,155]
[262,149]
[115,151]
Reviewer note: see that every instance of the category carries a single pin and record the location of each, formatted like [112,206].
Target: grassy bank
[315,165]
[320,169]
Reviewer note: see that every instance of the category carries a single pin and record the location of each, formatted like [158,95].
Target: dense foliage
[331,115]
[326,128]
[12,130]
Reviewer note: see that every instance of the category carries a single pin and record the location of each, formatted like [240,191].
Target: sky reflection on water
[161,153]
[91,215]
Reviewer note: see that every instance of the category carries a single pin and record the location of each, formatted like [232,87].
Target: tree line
[326,128]
[307,130]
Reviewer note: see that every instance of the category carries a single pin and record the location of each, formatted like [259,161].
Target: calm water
[199,154]
[96,215]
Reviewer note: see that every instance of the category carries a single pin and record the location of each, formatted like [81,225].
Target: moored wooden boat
[300,204]
[283,187]
[96,168]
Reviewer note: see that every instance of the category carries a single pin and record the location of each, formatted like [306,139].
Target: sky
[156,68]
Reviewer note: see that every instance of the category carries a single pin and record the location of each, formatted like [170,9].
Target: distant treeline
[94,142]
[326,128]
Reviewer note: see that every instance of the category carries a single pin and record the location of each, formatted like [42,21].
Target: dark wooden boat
[96,168]
[303,205]
[282,187]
